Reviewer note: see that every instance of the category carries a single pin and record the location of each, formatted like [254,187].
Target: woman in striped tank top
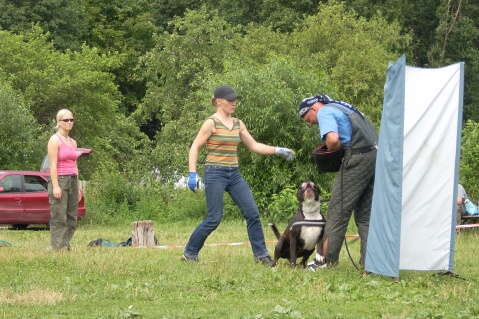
[221,134]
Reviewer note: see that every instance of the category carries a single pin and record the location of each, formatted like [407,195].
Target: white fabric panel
[431,110]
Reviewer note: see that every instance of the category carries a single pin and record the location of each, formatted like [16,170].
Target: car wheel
[20,226]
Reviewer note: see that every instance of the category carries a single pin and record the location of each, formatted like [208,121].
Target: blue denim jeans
[219,179]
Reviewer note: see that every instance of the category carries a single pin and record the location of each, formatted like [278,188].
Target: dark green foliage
[469,165]
[50,80]
[65,20]
[112,198]
[421,19]
[125,28]
[271,77]
[125,65]
[456,40]
[19,147]
[283,206]
[164,11]
[269,110]
[182,61]
[347,48]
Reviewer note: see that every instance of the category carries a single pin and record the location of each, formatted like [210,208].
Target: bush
[469,165]
[21,145]
[283,205]
[112,198]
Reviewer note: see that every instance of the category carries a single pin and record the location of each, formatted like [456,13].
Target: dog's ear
[316,188]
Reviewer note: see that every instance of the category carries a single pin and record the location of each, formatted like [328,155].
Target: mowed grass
[126,282]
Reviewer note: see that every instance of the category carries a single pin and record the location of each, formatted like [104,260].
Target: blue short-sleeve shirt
[331,119]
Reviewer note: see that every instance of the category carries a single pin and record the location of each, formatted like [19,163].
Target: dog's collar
[309,222]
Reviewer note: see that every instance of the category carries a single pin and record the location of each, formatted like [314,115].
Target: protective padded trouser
[352,191]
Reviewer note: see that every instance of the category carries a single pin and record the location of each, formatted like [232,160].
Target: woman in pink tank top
[63,191]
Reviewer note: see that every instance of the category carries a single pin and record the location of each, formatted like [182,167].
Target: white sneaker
[312,266]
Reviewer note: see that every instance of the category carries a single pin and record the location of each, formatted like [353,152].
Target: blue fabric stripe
[383,250]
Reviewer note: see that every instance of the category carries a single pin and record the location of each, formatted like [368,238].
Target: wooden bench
[468,219]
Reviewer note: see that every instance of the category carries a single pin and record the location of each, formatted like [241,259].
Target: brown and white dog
[304,232]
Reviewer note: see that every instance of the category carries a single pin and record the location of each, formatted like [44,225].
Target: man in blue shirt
[341,125]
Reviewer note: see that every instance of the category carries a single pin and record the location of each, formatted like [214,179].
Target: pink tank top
[67,156]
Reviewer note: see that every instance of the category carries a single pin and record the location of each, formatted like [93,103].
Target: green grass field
[126,282]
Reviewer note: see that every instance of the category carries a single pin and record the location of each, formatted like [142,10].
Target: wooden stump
[142,234]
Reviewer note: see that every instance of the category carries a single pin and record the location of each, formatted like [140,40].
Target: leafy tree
[457,39]
[236,12]
[352,51]
[164,11]
[18,133]
[280,15]
[271,93]
[181,61]
[269,110]
[273,72]
[65,21]
[126,28]
[284,15]
[418,18]
[79,81]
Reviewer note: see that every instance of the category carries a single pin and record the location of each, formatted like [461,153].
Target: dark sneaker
[184,258]
[312,266]
[266,261]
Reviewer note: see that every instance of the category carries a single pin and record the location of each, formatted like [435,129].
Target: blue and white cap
[308,102]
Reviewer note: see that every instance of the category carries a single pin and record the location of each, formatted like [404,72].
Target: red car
[24,196]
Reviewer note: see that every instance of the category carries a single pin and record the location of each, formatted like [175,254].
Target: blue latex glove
[285,152]
[193,181]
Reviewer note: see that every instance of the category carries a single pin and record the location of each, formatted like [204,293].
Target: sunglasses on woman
[68,120]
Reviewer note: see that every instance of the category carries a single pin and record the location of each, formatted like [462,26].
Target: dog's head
[308,191]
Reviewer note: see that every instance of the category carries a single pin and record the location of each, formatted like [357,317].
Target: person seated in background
[461,208]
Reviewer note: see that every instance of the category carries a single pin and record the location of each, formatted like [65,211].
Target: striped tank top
[222,144]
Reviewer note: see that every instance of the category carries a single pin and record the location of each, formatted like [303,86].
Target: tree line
[138,75]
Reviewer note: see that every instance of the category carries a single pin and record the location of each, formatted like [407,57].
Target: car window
[35,184]
[45,164]
[12,184]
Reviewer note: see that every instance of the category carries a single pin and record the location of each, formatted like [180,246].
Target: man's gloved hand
[193,181]
[285,152]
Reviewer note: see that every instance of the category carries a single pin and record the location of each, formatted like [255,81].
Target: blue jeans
[219,179]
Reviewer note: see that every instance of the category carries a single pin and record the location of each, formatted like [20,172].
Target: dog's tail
[275,230]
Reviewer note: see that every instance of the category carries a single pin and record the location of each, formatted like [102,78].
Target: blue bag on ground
[471,209]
